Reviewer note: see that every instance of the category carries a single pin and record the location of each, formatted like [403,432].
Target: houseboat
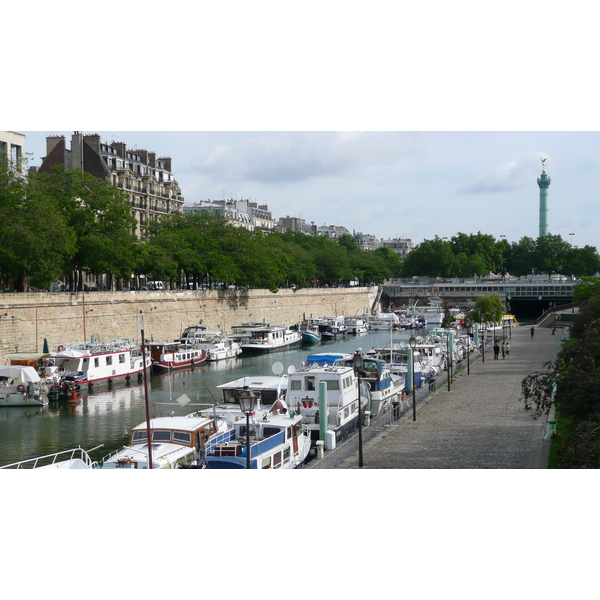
[171,356]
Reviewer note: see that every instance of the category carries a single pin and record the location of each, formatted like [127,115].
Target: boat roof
[25,374]
[186,422]
[27,355]
[326,358]
[256,382]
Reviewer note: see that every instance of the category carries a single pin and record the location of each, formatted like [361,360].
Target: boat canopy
[25,374]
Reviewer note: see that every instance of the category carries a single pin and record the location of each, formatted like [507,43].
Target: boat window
[277,460]
[162,435]
[183,437]
[96,362]
[296,384]
[310,383]
[109,360]
[121,358]
[139,436]
[333,384]
[286,454]
[270,431]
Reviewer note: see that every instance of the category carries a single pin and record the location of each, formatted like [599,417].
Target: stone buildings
[147,181]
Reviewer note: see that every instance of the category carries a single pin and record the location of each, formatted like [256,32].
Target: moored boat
[333,326]
[385,387]
[20,386]
[278,440]
[217,344]
[341,407]
[75,458]
[270,339]
[309,328]
[356,325]
[96,365]
[170,356]
[177,442]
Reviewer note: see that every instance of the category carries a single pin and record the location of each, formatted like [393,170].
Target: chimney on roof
[121,149]
[152,159]
[93,141]
[167,162]
[52,141]
[143,154]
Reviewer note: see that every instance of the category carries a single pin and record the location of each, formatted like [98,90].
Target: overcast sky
[389,184]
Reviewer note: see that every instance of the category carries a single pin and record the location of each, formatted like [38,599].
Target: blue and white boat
[278,440]
[309,328]
[385,387]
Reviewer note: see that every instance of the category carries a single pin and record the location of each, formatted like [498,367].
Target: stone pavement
[479,424]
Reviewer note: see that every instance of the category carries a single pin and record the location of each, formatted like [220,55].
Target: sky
[390,184]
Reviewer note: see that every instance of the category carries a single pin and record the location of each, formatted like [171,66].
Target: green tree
[433,258]
[487,309]
[35,240]
[100,218]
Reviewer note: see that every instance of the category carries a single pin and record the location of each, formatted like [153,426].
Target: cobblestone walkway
[479,424]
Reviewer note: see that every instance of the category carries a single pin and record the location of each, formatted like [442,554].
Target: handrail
[84,457]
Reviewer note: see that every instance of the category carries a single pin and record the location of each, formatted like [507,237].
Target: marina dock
[479,424]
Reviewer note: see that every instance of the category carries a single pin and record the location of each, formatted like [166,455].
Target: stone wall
[26,319]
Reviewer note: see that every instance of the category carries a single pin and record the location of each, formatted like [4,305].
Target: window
[139,436]
[286,454]
[109,360]
[333,384]
[121,359]
[162,435]
[182,437]
[96,362]
[296,384]
[310,383]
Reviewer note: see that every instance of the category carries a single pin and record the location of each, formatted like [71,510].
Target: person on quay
[503,349]
[507,349]
[496,350]
[532,331]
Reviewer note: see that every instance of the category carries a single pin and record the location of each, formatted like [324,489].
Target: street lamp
[358,363]
[571,236]
[482,342]
[412,342]
[246,400]
[447,330]
[467,323]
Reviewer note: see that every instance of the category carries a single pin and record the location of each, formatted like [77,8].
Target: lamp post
[412,342]
[447,330]
[482,343]
[358,363]
[467,323]
[246,399]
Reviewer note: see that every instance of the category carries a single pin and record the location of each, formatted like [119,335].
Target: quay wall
[26,319]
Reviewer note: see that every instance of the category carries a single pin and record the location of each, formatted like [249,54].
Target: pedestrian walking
[496,350]
[503,349]
[507,349]
[532,331]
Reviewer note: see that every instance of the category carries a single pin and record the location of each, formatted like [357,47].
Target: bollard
[432,385]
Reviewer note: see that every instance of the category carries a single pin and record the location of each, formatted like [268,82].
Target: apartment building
[147,180]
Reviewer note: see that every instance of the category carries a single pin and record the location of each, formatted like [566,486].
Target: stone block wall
[26,319]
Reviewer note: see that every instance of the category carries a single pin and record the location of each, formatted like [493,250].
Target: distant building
[295,224]
[399,246]
[12,147]
[333,232]
[146,180]
[239,213]
[366,241]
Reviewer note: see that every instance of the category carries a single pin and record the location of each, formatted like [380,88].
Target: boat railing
[50,459]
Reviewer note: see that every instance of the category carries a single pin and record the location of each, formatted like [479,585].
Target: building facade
[146,180]
[12,148]
[399,246]
[366,241]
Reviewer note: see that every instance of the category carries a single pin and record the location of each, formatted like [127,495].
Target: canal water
[106,417]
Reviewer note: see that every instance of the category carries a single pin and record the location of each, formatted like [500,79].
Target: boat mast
[148,426]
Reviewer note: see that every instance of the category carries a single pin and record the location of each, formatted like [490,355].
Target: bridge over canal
[523,297]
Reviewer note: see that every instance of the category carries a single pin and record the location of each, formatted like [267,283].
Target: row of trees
[570,385]
[480,254]
[69,223]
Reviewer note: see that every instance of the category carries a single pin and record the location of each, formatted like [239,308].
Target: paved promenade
[479,424]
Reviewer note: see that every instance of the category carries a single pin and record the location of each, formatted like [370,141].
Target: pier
[479,424]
